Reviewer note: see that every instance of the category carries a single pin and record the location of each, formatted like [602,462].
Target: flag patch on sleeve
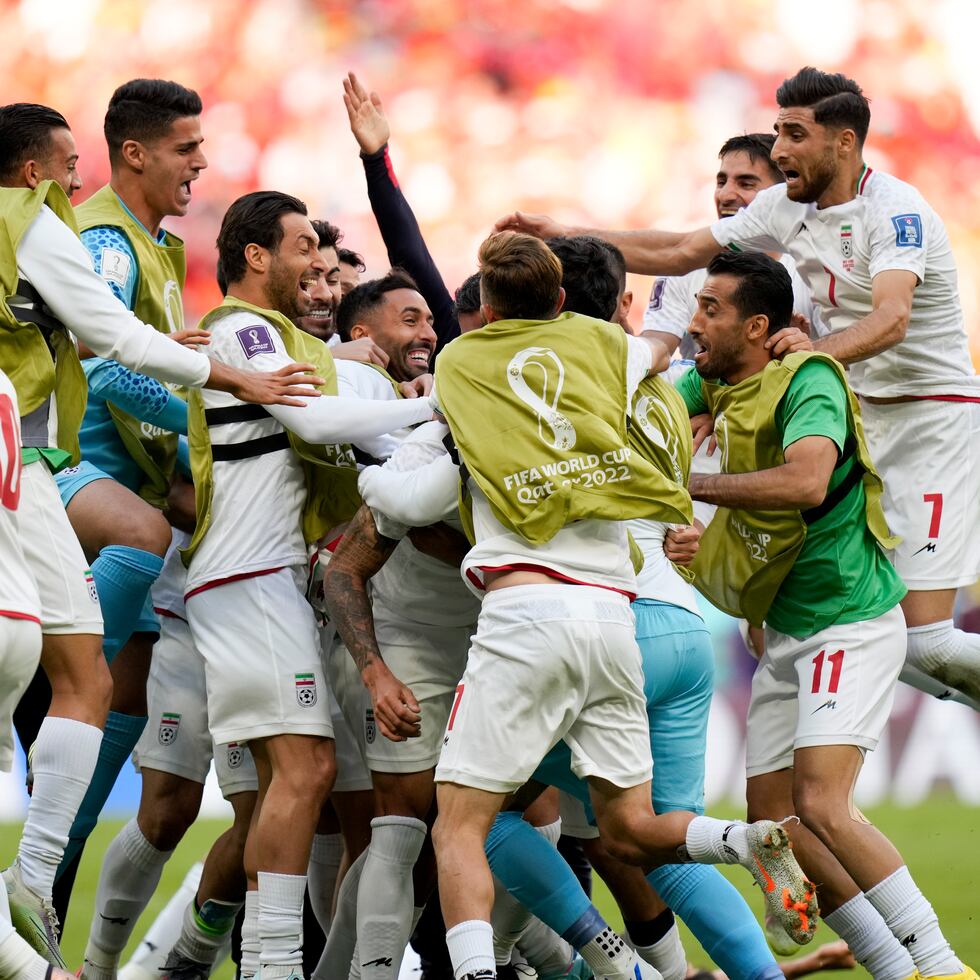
[908,230]
[255,340]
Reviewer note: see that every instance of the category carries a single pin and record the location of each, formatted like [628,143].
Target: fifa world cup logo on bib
[542,361]
[653,417]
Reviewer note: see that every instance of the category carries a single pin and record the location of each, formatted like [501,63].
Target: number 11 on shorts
[836,661]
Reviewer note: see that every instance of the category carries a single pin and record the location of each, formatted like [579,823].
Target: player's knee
[312,784]
[820,809]
[144,528]
[164,818]
[621,833]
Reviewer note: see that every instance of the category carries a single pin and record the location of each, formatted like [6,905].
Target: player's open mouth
[186,188]
[324,313]
[727,212]
[305,285]
[792,176]
[700,352]
[419,355]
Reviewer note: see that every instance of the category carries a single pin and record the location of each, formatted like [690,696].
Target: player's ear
[134,154]
[624,308]
[358,331]
[32,174]
[561,301]
[757,327]
[257,258]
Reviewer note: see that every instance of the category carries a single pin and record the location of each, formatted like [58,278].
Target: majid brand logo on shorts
[305,690]
[542,362]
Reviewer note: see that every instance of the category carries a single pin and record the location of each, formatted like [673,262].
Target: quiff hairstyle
[520,277]
[837,101]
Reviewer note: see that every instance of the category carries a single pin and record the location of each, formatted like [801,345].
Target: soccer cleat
[180,967]
[33,917]
[790,898]
[779,942]
[967,973]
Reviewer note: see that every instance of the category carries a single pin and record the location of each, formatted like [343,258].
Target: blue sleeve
[406,246]
[184,456]
[140,396]
[114,261]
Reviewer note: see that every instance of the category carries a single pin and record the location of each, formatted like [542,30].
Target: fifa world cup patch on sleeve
[657,296]
[115,266]
[908,230]
[255,340]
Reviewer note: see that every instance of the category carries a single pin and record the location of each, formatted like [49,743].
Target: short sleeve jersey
[674,301]
[840,250]
[840,575]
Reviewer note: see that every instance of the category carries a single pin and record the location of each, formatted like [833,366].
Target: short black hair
[349,257]
[758,147]
[25,134]
[363,299]
[591,282]
[836,99]
[328,235]
[254,218]
[764,285]
[144,109]
[467,298]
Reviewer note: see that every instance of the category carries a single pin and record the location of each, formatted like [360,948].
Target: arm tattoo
[361,553]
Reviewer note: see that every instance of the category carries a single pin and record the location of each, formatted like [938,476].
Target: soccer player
[153,131]
[555,567]
[796,543]
[745,167]
[20,649]
[50,288]
[878,263]
[269,484]
[352,267]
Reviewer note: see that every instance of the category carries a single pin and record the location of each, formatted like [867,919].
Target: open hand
[367,117]
[364,349]
[539,225]
[192,337]
[789,340]
[268,387]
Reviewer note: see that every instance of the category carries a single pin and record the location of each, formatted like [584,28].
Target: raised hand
[789,340]
[539,225]
[367,117]
[364,349]
[192,337]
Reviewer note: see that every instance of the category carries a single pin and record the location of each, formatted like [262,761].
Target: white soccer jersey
[590,552]
[412,587]
[356,380]
[840,250]
[673,303]
[658,579]
[18,593]
[257,502]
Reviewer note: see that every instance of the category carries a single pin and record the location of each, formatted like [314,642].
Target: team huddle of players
[422,627]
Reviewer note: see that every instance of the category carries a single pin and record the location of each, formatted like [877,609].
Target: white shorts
[176,738]
[353,775]
[574,820]
[261,650]
[69,601]
[428,660]
[549,662]
[20,651]
[928,454]
[833,688]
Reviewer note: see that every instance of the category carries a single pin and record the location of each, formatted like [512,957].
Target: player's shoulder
[363,380]
[888,195]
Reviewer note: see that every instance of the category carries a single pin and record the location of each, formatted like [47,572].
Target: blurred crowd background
[608,112]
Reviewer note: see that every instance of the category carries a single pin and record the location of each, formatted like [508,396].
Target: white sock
[151,954]
[946,653]
[206,929]
[65,753]
[131,871]
[712,841]
[250,936]
[471,950]
[325,858]
[544,949]
[610,956]
[667,955]
[338,952]
[921,681]
[386,896]
[280,924]
[860,924]
[911,919]
[509,918]
[551,832]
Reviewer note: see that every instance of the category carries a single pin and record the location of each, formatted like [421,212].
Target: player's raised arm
[649,252]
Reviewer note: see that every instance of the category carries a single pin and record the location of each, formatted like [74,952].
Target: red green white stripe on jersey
[89,577]
[170,719]
[305,680]
[863,179]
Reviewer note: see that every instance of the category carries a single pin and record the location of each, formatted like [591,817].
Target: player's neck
[844,187]
[129,191]
[249,291]
[753,361]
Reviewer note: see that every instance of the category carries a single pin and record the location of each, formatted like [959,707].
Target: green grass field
[940,840]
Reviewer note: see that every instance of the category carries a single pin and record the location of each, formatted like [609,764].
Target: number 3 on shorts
[936,499]
[837,662]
